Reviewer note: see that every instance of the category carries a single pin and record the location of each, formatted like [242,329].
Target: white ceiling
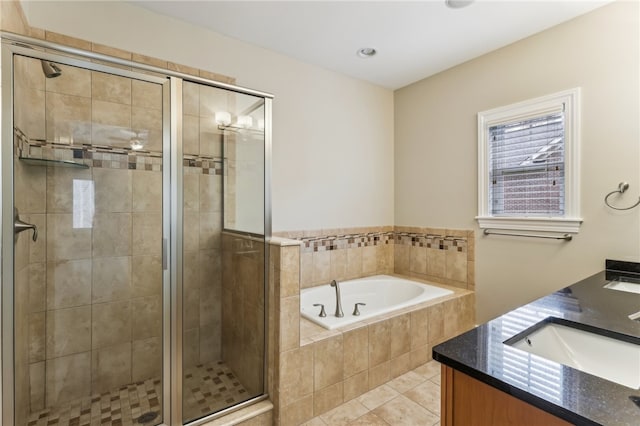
[414,39]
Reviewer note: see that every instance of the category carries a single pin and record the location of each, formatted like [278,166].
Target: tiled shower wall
[94,299]
[243,309]
[202,223]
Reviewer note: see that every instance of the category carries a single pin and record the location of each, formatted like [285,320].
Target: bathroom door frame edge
[7,388]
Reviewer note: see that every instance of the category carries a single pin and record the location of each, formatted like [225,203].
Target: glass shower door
[223,280]
[88,288]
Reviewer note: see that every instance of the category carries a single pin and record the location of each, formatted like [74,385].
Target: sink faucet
[339,312]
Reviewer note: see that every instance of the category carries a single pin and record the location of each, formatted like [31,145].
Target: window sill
[543,224]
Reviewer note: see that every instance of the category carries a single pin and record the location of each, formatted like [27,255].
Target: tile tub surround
[313,370]
[445,256]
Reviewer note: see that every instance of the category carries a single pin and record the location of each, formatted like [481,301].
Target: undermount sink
[606,357]
[624,286]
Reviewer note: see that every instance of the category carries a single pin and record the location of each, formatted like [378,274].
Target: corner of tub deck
[284,242]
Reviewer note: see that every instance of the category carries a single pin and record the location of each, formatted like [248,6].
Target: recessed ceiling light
[457,4]
[367,52]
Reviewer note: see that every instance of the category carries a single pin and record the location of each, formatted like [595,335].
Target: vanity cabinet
[468,402]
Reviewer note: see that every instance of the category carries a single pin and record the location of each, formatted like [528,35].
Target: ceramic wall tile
[146,359]
[68,378]
[29,112]
[28,72]
[400,335]
[113,190]
[356,385]
[111,324]
[147,191]
[72,81]
[190,135]
[210,193]
[146,275]
[36,386]
[149,122]
[146,95]
[68,118]
[111,367]
[146,317]
[369,260]
[191,98]
[112,235]
[210,139]
[147,234]
[68,331]
[356,351]
[68,283]
[328,398]
[296,374]
[37,287]
[62,186]
[111,279]
[436,262]
[64,241]
[37,337]
[379,343]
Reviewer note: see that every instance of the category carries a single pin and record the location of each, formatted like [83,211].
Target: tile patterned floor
[210,387]
[409,400]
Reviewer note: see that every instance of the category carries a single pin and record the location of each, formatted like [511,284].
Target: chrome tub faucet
[339,312]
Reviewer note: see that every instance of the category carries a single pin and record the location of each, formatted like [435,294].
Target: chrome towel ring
[622,187]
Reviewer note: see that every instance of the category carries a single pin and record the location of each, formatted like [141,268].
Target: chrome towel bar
[565,237]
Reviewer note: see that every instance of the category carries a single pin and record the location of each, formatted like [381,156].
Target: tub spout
[339,312]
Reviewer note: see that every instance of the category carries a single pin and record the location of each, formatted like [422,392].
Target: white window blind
[527,167]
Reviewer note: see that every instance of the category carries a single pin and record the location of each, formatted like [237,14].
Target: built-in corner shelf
[52,163]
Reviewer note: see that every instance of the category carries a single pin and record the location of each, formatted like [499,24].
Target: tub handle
[356,311]
[323,313]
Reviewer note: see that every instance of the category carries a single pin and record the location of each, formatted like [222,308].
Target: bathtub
[381,293]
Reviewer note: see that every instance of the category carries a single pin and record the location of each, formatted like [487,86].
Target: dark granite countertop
[573,395]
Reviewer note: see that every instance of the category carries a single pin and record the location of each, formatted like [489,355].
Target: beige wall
[318,115]
[436,150]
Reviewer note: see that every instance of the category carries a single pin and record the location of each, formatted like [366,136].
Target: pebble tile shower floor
[208,388]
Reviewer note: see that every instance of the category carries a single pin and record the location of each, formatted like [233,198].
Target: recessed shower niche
[134,224]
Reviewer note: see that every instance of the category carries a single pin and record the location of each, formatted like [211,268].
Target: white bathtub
[381,293]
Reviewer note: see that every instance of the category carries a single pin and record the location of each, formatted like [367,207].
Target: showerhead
[50,69]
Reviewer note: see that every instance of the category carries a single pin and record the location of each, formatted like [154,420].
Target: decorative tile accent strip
[208,165]
[338,242]
[441,242]
[97,156]
[108,157]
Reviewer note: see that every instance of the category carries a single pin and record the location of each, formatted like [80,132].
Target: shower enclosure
[135,212]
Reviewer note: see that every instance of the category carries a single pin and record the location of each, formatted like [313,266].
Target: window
[528,172]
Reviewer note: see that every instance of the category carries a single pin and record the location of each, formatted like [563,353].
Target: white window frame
[569,101]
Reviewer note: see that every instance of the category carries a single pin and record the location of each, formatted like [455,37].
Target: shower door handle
[19,226]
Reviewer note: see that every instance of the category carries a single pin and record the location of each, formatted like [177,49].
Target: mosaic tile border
[339,242]
[107,157]
[347,241]
[206,165]
[436,241]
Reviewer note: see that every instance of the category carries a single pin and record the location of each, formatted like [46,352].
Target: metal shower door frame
[9,50]
[171,81]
